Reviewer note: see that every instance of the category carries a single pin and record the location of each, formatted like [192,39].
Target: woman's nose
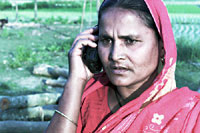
[116,52]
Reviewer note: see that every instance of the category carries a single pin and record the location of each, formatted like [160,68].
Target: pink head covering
[165,81]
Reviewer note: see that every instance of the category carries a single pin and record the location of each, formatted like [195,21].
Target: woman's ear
[161,57]
[161,52]
[161,49]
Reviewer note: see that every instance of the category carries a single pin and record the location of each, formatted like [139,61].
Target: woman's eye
[106,41]
[129,41]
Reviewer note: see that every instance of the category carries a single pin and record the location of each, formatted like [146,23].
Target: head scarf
[162,100]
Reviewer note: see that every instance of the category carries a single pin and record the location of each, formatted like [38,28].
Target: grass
[67,5]
[187,75]
[188,53]
[34,45]
[77,12]
[187,50]
[28,16]
[34,52]
[180,0]
[191,9]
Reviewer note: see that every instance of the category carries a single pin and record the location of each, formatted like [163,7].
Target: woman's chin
[120,82]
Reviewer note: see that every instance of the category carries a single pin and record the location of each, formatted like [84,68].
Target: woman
[136,92]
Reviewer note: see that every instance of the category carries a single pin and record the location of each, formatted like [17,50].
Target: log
[196,64]
[60,82]
[27,114]
[22,126]
[7,102]
[50,71]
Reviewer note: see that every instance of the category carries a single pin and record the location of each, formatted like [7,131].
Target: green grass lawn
[44,14]
[77,12]
[188,9]
[22,48]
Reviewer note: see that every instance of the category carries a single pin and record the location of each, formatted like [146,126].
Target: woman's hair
[137,6]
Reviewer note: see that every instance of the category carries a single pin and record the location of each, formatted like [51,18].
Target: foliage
[24,56]
[179,0]
[187,75]
[193,9]
[5,33]
[5,5]
[43,5]
[76,6]
[62,47]
[188,50]
[52,20]
[21,56]
[190,19]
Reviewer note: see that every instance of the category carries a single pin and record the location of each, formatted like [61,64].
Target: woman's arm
[69,105]
[79,74]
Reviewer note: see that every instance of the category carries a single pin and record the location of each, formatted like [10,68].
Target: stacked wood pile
[32,113]
[58,75]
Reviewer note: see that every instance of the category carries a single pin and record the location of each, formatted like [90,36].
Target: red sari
[161,108]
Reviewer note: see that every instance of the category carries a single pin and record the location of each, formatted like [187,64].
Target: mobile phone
[91,59]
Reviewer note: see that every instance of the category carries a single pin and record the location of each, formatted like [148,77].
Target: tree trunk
[22,127]
[16,8]
[90,23]
[83,15]
[23,101]
[27,114]
[98,5]
[50,71]
[60,82]
[35,9]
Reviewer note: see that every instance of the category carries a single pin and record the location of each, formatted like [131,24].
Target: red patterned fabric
[161,108]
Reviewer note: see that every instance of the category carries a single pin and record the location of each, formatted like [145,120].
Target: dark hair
[138,6]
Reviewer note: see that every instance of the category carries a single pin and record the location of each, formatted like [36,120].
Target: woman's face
[127,48]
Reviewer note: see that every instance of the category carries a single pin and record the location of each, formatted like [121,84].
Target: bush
[43,5]
[188,50]
[5,33]
[5,5]
[24,56]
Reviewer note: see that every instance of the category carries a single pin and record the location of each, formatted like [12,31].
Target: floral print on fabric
[157,118]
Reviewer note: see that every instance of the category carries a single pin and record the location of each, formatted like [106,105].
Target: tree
[16,8]
[35,9]
[83,14]
[98,5]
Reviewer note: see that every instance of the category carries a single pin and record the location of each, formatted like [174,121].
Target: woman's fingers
[85,42]
[90,30]
[87,34]
[77,66]
[79,44]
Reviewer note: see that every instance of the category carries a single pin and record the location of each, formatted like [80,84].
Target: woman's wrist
[74,80]
[70,101]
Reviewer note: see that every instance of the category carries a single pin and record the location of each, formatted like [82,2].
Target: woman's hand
[77,69]
[79,74]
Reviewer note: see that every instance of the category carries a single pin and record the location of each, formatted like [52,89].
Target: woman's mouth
[118,70]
